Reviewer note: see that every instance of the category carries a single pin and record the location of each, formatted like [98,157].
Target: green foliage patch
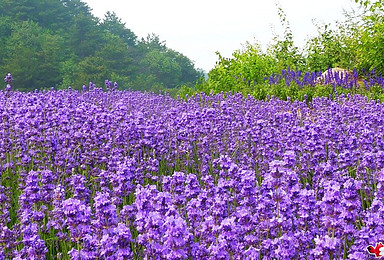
[355,43]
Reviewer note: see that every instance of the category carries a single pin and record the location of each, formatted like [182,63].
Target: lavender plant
[128,175]
[8,79]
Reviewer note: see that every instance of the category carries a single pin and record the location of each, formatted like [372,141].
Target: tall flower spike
[8,79]
[108,85]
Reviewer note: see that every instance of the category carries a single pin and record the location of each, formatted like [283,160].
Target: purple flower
[123,174]
[123,238]
[78,186]
[115,86]
[34,247]
[78,218]
[326,247]
[123,179]
[176,238]
[8,79]
[105,217]
[251,253]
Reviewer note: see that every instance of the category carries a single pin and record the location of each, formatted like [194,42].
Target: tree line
[355,42]
[59,43]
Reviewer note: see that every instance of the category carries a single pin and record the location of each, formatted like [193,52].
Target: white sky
[199,28]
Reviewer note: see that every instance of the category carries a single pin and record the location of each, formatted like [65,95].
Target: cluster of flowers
[336,77]
[288,76]
[130,175]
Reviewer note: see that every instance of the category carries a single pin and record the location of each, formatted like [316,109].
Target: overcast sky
[199,28]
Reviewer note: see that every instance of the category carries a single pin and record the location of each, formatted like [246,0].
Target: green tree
[33,56]
[246,68]
[371,6]
[69,70]
[357,42]
[21,10]
[84,35]
[370,45]
[167,71]
[163,67]
[50,14]
[189,74]
[113,24]
[59,42]
[284,51]
[151,42]
[5,32]
[90,68]
[117,60]
[331,48]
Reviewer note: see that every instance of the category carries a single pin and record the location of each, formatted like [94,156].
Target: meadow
[113,174]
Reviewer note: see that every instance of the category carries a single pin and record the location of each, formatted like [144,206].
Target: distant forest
[59,43]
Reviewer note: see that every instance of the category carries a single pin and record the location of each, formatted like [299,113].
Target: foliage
[113,24]
[59,43]
[328,50]
[357,42]
[371,6]
[371,41]
[33,54]
[248,66]
[284,51]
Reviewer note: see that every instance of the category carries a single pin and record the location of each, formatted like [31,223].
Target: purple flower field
[130,175]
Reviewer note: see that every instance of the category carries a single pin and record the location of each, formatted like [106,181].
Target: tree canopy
[59,43]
